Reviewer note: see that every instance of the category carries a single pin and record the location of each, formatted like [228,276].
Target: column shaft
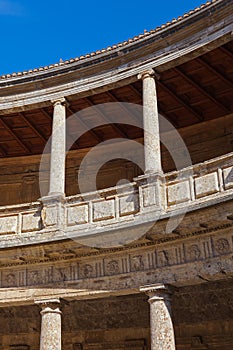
[162,333]
[50,337]
[58,149]
[151,124]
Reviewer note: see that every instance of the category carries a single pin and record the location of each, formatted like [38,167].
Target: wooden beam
[85,126]
[168,117]
[134,89]
[49,116]
[201,89]
[118,129]
[161,111]
[179,100]
[32,126]
[122,105]
[226,52]
[3,152]
[22,144]
[215,71]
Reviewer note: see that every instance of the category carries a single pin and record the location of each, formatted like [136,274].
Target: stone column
[58,149]
[151,123]
[50,337]
[161,327]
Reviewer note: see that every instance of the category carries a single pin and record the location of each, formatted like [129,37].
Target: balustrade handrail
[201,168]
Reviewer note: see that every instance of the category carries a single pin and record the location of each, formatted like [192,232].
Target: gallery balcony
[144,201]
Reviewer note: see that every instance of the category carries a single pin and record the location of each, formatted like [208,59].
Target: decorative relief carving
[164,258]
[10,280]
[150,259]
[112,267]
[61,274]
[137,263]
[87,271]
[222,246]
[194,252]
[34,277]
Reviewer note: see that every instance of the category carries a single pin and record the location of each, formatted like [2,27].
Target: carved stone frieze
[156,260]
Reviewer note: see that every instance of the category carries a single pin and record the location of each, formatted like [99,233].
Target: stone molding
[192,261]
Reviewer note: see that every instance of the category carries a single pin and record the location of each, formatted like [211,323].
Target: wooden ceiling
[196,91]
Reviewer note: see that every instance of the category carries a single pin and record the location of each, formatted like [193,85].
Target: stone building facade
[90,261]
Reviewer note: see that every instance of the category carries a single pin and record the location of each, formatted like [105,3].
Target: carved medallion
[222,246]
[11,280]
[87,270]
[113,267]
[137,263]
[194,252]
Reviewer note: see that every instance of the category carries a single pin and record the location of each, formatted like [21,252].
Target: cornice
[126,45]
[171,45]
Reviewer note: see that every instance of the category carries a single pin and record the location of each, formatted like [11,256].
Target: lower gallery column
[161,327]
[50,337]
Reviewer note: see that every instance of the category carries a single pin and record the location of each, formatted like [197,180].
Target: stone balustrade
[196,185]
[20,218]
[111,205]
[200,182]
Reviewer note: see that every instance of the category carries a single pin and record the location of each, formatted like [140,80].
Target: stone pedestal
[50,338]
[151,123]
[58,149]
[53,212]
[151,190]
[162,332]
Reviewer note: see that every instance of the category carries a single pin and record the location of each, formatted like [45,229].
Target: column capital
[149,73]
[59,101]
[157,291]
[47,302]
[49,305]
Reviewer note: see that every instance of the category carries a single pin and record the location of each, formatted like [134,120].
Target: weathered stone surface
[50,338]
[77,215]
[179,193]
[31,221]
[151,123]
[128,204]
[228,177]
[58,149]
[206,185]
[8,224]
[161,327]
[104,210]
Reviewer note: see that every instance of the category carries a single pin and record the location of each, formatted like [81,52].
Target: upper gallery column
[151,123]
[58,149]
[161,327]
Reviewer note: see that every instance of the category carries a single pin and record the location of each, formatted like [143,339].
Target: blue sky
[38,33]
